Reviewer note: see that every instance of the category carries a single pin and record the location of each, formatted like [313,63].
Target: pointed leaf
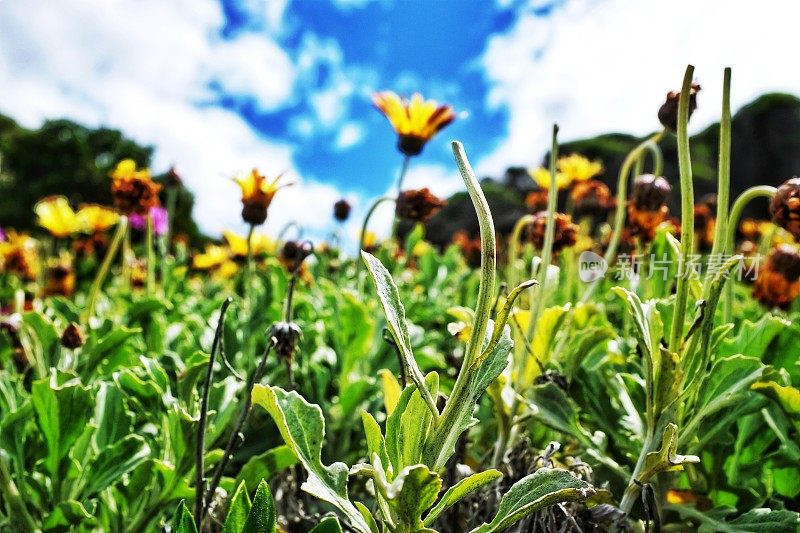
[460,490]
[329,524]
[396,320]
[184,521]
[536,491]
[238,510]
[114,462]
[261,518]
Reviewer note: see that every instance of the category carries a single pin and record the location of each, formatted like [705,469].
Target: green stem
[105,266]
[514,273]
[367,218]
[172,197]
[723,173]
[151,256]
[760,191]
[549,236]
[448,425]
[687,211]
[286,228]
[400,179]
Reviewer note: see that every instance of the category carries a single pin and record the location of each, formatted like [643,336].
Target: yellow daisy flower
[95,218]
[416,121]
[257,195]
[56,216]
[578,168]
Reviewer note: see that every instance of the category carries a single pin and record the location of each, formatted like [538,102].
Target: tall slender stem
[172,197]
[760,191]
[364,226]
[105,266]
[549,236]
[200,503]
[237,428]
[514,274]
[151,255]
[687,211]
[400,179]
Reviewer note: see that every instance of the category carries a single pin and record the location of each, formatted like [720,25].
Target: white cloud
[107,63]
[350,135]
[596,66]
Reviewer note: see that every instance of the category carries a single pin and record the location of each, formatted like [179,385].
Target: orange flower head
[257,195]
[19,255]
[60,278]
[133,189]
[592,198]
[416,121]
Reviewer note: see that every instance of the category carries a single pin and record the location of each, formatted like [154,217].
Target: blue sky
[220,86]
[420,47]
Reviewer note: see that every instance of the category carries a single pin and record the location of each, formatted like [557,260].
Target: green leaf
[547,327]
[68,515]
[536,491]
[266,465]
[62,412]
[261,518]
[407,427]
[375,442]
[420,488]
[727,384]
[754,521]
[114,462]
[303,429]
[754,338]
[113,419]
[238,510]
[460,490]
[396,321]
[183,521]
[328,524]
[556,409]
[95,353]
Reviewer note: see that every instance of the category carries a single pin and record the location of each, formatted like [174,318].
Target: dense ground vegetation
[610,365]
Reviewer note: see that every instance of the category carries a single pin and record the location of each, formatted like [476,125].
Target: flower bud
[341,210]
[286,335]
[785,207]
[668,113]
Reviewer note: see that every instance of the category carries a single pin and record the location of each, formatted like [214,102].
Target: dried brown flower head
[418,205]
[73,336]
[592,198]
[566,233]
[778,281]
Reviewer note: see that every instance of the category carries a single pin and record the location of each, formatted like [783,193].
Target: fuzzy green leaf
[460,490]
[261,518]
[238,510]
[536,491]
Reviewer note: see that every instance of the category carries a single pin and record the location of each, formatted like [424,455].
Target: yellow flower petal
[56,216]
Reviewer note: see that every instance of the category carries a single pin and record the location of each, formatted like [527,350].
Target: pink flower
[160,220]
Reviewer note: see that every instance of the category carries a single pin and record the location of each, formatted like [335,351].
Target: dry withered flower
[566,233]
[668,112]
[418,205]
[785,207]
[778,281]
[647,208]
[592,198]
